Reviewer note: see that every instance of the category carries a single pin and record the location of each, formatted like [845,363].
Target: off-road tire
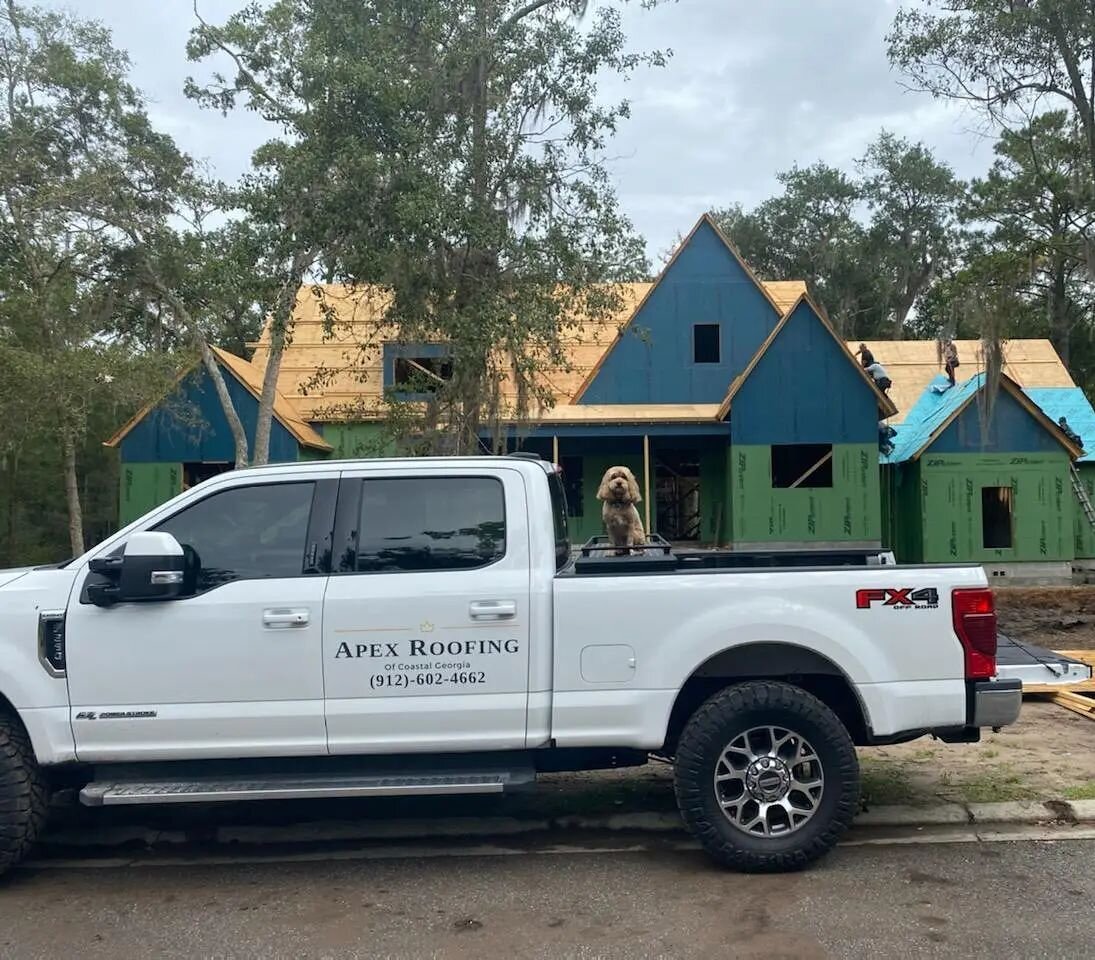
[727,715]
[24,796]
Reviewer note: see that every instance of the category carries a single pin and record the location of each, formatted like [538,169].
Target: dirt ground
[1061,618]
[1048,755]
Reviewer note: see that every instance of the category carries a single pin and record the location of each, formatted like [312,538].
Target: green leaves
[451,152]
[867,245]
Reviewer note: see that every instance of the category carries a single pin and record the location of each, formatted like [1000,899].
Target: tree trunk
[239,437]
[72,493]
[1060,333]
[281,322]
[209,361]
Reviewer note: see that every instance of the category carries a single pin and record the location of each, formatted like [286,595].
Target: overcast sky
[754,86]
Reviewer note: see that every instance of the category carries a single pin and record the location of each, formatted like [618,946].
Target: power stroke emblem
[898,598]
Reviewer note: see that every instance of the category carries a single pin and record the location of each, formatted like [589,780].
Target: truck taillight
[974,614]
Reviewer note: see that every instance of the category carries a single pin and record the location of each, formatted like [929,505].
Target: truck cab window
[246,533]
[430,523]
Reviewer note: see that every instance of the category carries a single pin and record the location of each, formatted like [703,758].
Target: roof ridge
[709,220]
[885,403]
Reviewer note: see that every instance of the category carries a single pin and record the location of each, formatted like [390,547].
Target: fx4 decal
[907,598]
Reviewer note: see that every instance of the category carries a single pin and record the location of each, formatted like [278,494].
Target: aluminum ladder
[1081,494]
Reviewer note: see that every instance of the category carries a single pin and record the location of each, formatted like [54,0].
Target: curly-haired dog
[620,492]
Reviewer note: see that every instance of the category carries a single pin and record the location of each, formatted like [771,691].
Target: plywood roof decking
[913,364]
[336,370]
[785,293]
[631,413]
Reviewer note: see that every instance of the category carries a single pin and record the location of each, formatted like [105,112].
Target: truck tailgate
[1031,664]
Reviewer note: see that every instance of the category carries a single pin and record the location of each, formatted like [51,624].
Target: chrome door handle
[284,618]
[493,610]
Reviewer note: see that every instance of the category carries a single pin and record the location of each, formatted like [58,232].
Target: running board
[101,794]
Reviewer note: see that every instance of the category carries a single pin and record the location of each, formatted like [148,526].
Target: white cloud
[754,87]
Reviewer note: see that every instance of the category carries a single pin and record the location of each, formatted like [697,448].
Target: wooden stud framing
[809,473]
[646,483]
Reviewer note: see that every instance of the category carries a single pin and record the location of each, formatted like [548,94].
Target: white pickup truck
[399,627]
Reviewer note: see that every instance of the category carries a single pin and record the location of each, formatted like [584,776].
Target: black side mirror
[152,567]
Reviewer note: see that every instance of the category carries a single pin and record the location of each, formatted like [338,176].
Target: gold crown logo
[426,627]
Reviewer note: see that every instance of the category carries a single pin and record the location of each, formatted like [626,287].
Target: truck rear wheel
[24,798]
[767,777]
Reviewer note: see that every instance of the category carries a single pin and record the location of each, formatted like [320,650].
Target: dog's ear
[603,493]
[633,488]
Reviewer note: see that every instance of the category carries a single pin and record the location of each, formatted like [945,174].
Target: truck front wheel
[24,797]
[767,777]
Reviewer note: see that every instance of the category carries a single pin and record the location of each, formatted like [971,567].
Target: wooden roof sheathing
[630,413]
[913,364]
[335,370]
[785,293]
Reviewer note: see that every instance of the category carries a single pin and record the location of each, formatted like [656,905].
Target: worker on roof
[950,359]
[878,374]
[866,358]
[1070,433]
[886,433]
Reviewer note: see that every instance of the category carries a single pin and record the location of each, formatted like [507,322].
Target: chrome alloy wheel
[769,781]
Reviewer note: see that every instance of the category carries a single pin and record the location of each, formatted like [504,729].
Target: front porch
[682,476]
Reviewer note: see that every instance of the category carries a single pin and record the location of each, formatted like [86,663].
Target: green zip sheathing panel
[714,511]
[949,511]
[903,531]
[593,468]
[353,441]
[143,486]
[1084,534]
[850,510]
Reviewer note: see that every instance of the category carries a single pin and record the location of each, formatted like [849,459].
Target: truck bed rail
[598,556]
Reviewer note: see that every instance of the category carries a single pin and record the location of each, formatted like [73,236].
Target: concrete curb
[872,820]
[1012,811]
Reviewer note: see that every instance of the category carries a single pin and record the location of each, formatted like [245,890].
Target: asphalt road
[615,897]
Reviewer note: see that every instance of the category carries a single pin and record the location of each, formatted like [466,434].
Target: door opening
[996,516]
[195,473]
[677,494]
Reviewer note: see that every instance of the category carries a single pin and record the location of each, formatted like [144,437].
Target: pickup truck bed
[1033,664]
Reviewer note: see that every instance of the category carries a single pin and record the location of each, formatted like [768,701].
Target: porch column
[555,449]
[646,482]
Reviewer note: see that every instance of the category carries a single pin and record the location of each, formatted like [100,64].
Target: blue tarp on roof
[938,401]
[1073,405]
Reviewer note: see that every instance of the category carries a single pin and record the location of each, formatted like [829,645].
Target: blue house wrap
[1072,404]
[189,426]
[653,359]
[1014,427]
[804,388]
